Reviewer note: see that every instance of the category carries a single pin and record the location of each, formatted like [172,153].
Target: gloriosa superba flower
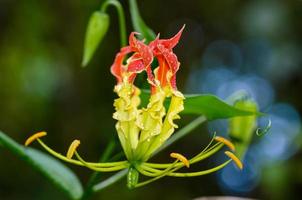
[142,131]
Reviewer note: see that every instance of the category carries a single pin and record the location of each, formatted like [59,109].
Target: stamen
[226,142]
[199,157]
[149,171]
[235,159]
[181,158]
[72,148]
[34,137]
[200,173]
[100,169]
[161,175]
[108,165]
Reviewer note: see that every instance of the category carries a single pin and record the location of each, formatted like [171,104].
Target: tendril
[263,131]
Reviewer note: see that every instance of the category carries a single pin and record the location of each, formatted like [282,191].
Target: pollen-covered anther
[72,148]
[181,158]
[235,159]
[225,142]
[34,137]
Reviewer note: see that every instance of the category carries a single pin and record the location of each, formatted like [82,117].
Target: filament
[100,169]
[76,162]
[201,156]
[205,150]
[149,171]
[200,173]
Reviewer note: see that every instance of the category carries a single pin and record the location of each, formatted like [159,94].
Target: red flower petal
[117,66]
[143,56]
[153,44]
[168,62]
[136,66]
[170,57]
[162,71]
[132,39]
[142,49]
[172,42]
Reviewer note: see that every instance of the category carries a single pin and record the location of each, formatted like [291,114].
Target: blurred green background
[43,87]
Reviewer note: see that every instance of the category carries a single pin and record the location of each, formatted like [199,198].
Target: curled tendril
[263,131]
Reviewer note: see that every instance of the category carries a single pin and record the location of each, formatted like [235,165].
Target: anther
[235,159]
[72,148]
[34,137]
[226,142]
[181,158]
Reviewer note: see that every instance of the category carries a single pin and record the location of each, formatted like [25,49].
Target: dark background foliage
[43,86]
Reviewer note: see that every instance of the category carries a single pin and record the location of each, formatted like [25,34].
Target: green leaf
[96,29]
[205,104]
[138,23]
[213,107]
[52,169]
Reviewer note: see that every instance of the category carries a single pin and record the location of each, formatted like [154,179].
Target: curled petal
[142,49]
[136,66]
[132,39]
[161,71]
[173,82]
[117,66]
[150,76]
[153,44]
[172,42]
[168,62]
[170,57]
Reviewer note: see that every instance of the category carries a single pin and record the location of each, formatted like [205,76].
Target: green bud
[96,29]
[241,129]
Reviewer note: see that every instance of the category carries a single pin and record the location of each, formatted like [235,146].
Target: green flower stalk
[142,131]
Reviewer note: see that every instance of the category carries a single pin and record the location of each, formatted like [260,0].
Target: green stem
[111,180]
[121,17]
[96,175]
